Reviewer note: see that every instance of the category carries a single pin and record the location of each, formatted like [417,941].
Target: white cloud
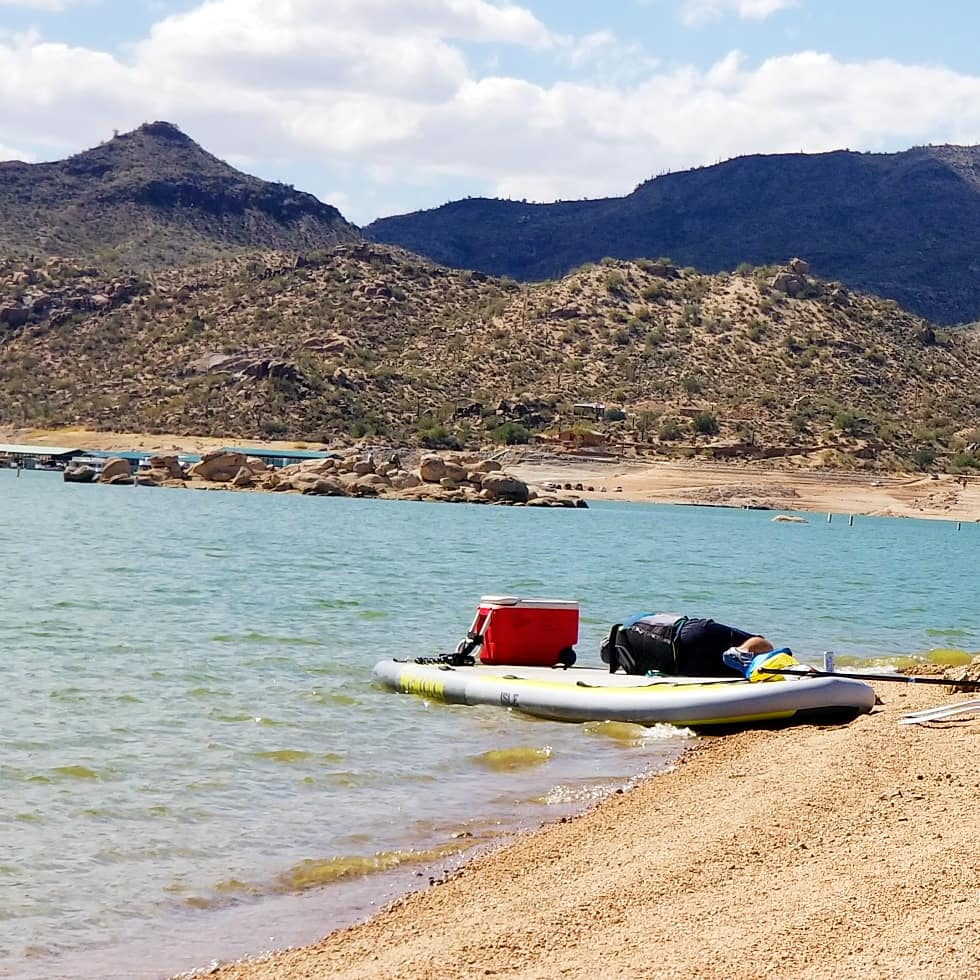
[39,4]
[7,154]
[696,12]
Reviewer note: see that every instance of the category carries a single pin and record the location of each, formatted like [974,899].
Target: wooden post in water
[830,517]
[850,521]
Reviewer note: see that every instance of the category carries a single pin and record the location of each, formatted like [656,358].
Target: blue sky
[386,106]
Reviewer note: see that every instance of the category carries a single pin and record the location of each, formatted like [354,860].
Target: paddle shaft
[901,678]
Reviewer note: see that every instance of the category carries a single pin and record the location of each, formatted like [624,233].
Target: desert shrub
[512,434]
[438,437]
[705,423]
[923,458]
[361,427]
[654,338]
[613,415]
[964,461]
[615,282]
[669,430]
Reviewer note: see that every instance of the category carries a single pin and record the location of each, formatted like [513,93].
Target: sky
[382,107]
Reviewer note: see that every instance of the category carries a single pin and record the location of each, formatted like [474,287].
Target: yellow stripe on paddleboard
[426,687]
[411,684]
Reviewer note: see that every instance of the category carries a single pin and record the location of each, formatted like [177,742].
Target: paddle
[900,678]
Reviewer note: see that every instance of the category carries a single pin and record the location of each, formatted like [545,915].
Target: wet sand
[808,852]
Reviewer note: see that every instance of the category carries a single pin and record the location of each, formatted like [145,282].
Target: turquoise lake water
[196,764]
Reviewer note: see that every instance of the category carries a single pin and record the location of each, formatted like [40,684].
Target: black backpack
[647,644]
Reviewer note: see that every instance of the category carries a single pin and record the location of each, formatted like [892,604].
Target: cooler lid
[535,603]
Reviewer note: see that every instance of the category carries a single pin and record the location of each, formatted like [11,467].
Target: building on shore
[36,457]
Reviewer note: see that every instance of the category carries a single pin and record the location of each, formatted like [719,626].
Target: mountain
[365,340]
[905,226]
[153,198]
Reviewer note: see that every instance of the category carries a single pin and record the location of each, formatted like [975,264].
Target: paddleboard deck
[586,693]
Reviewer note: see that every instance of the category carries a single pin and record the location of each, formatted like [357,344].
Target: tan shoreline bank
[703,483]
[806,852]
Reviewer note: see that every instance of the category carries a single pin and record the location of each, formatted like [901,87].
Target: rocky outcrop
[456,478]
[432,469]
[218,467]
[168,466]
[248,364]
[790,283]
[116,472]
[79,474]
[500,486]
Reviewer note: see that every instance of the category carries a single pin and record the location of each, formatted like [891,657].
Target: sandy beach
[941,497]
[807,852]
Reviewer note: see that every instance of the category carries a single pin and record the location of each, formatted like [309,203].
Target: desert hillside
[366,341]
[900,225]
[153,198]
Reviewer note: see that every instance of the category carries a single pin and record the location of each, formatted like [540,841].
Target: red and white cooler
[526,632]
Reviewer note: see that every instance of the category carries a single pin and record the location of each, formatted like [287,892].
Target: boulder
[243,478]
[166,464]
[116,470]
[455,472]
[79,474]
[432,469]
[218,467]
[402,480]
[319,486]
[119,480]
[500,486]
[369,481]
[789,283]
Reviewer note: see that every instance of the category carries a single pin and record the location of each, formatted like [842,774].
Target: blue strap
[636,617]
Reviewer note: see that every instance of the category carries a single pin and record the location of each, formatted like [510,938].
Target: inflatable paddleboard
[593,694]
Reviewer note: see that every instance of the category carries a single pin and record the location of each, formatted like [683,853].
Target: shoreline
[703,483]
[803,852]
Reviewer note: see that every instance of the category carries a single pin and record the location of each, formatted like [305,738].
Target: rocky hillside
[362,340]
[901,225]
[153,198]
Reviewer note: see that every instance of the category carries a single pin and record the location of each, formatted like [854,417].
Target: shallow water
[196,763]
